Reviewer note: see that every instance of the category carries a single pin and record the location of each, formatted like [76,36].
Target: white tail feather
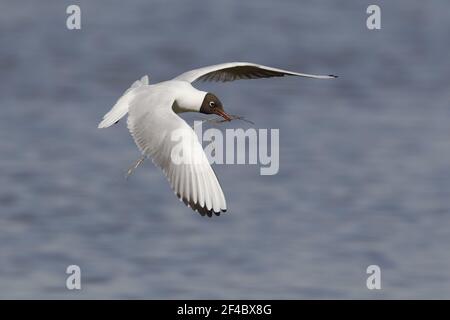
[120,109]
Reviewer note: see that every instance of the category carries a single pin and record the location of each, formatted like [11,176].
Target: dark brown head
[212,105]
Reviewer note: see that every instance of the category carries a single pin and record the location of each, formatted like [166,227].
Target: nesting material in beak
[223,114]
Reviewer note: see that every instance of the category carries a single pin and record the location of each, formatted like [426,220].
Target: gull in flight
[152,120]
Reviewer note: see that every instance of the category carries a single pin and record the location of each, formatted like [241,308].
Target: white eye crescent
[212,104]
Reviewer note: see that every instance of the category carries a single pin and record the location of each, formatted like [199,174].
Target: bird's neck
[189,99]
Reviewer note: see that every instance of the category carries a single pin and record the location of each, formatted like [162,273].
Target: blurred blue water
[364,160]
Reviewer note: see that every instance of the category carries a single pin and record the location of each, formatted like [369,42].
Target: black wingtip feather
[203,211]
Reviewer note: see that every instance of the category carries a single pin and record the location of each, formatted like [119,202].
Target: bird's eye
[212,104]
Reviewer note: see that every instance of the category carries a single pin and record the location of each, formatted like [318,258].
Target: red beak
[223,114]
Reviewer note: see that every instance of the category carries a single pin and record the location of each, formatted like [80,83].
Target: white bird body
[169,141]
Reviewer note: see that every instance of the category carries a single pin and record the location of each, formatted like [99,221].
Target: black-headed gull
[152,120]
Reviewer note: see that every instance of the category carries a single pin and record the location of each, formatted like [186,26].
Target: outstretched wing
[240,70]
[174,147]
